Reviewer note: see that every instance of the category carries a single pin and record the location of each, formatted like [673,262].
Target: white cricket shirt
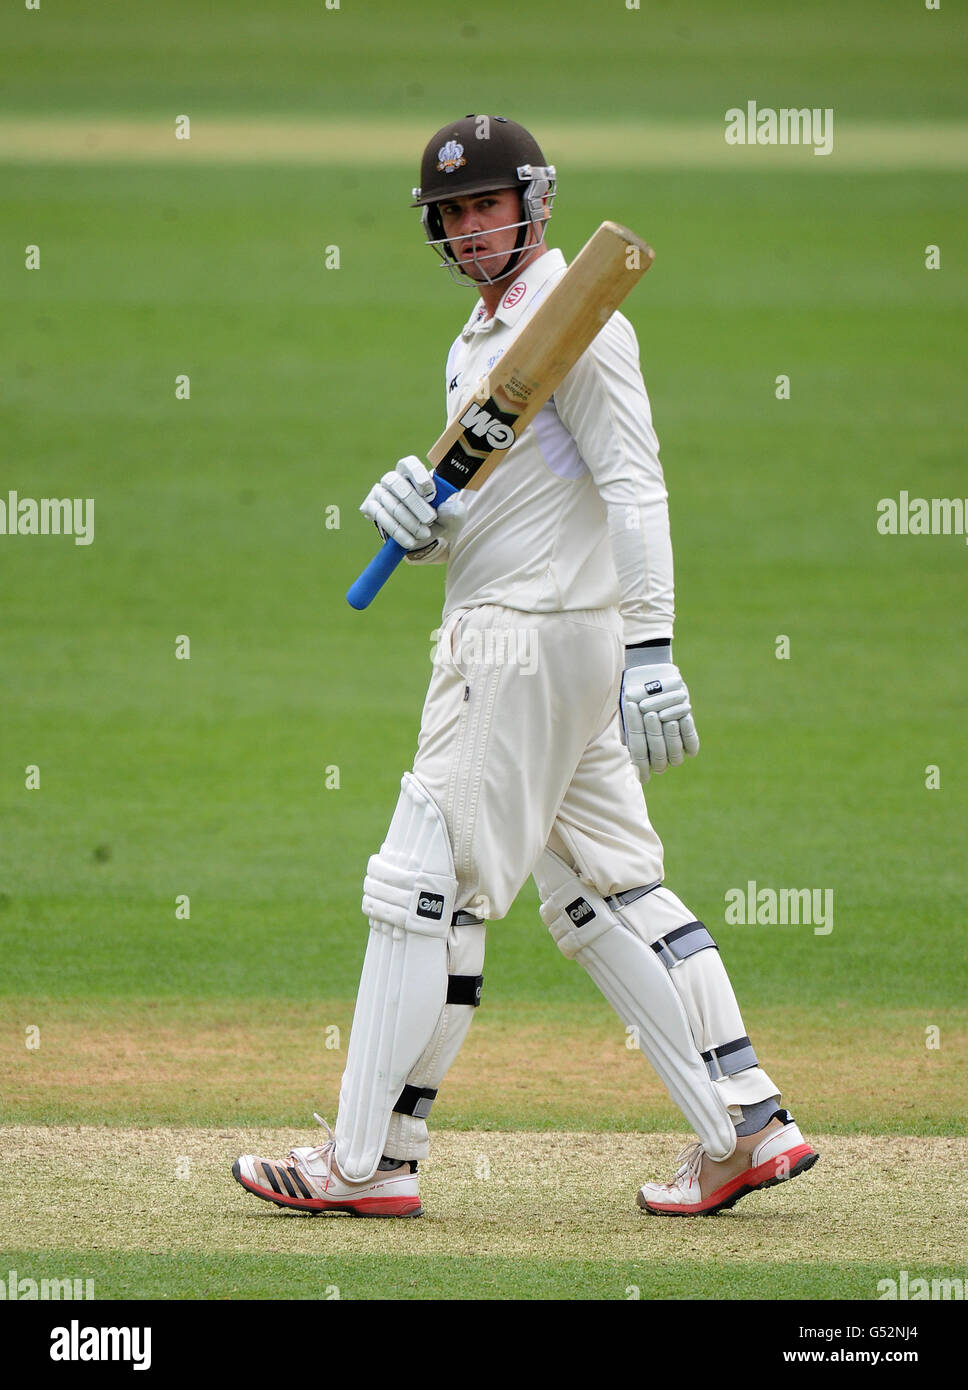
[576,515]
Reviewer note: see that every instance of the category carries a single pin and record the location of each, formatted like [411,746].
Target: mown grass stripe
[673,144]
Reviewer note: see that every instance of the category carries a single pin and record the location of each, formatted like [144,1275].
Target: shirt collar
[519,295]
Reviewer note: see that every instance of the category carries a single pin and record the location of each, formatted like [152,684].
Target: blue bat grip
[364,590]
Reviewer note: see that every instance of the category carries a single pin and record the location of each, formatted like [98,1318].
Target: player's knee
[575,914]
[411,883]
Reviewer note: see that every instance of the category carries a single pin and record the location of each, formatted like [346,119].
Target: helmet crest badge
[450,157]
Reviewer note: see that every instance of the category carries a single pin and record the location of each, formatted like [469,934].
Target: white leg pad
[409,895]
[637,986]
[407,1136]
[696,970]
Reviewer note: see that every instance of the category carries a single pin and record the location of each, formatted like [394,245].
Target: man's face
[469,225]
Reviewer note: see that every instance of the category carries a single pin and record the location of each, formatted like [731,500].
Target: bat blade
[525,377]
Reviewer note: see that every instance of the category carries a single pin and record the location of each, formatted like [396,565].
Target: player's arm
[604,405]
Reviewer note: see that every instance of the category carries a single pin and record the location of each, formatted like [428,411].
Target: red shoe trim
[384,1206]
[366,1206]
[306,1203]
[750,1180]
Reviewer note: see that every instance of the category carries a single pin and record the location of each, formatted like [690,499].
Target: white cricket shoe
[781,1155]
[306,1181]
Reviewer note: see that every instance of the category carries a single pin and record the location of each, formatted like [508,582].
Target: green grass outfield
[885,58]
[216,777]
[132,1277]
[207,777]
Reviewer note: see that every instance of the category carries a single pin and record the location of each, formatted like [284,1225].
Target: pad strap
[464,989]
[682,943]
[730,1058]
[632,895]
[416,1100]
[462,918]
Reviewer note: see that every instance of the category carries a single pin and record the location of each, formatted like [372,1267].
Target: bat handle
[364,590]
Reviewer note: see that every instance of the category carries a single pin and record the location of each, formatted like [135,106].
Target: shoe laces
[327,1151]
[690,1163]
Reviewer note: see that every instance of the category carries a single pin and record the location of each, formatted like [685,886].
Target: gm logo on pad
[430,905]
[580,912]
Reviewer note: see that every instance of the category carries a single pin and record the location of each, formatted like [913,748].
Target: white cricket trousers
[520,747]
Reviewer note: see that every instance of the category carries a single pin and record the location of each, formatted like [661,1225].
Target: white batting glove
[450,518]
[398,504]
[657,723]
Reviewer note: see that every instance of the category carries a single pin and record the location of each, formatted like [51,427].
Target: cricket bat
[525,376]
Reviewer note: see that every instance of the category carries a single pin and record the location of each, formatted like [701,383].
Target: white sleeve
[603,404]
[449,374]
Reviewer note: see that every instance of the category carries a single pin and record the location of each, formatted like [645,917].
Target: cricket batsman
[553,698]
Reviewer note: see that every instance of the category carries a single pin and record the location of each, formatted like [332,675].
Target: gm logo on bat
[483,424]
